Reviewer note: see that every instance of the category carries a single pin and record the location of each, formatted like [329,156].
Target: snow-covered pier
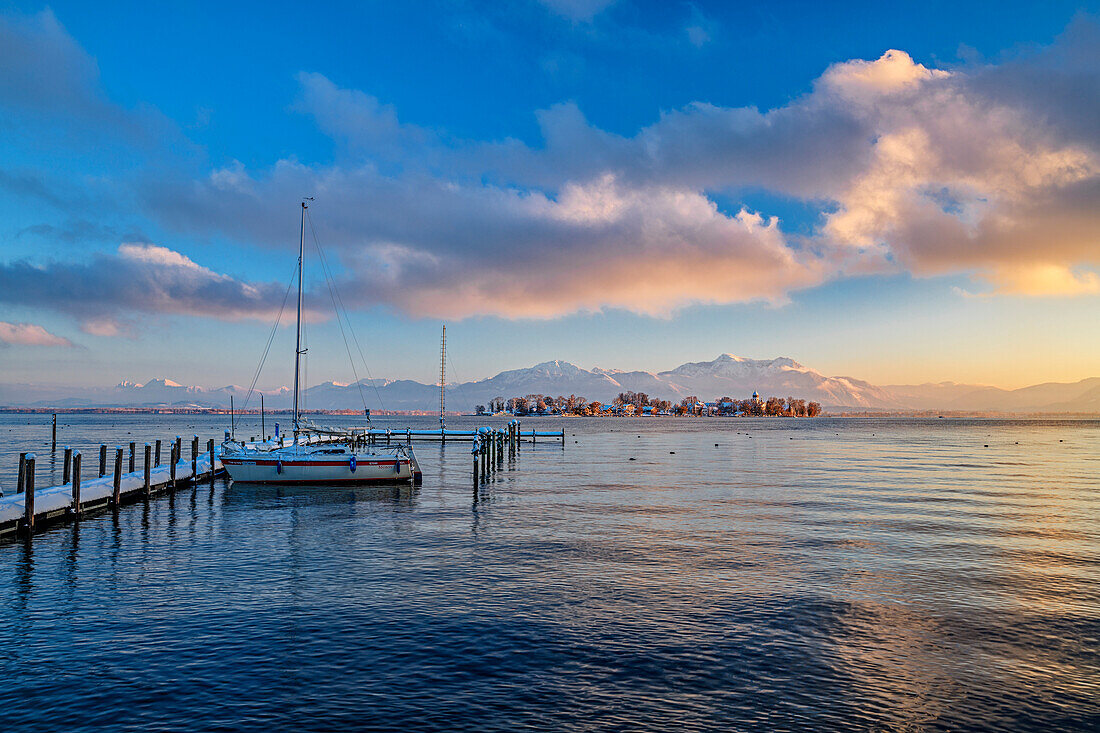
[124,479]
[31,508]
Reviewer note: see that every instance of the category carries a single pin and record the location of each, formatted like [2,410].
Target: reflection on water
[769,574]
[272,496]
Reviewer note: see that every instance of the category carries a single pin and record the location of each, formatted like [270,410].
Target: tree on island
[639,403]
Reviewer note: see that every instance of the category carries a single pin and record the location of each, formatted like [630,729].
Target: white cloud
[30,334]
[993,171]
[140,278]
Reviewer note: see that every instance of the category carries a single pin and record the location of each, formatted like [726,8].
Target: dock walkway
[30,509]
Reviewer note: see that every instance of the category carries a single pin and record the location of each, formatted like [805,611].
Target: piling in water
[21,482]
[102,460]
[148,468]
[116,493]
[76,509]
[67,465]
[28,498]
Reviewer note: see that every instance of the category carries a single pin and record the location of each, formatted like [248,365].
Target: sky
[900,194]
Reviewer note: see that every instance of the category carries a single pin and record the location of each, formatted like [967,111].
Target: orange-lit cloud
[988,171]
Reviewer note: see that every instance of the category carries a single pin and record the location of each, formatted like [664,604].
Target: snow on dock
[70,500]
[29,508]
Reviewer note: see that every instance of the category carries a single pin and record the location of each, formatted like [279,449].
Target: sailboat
[317,455]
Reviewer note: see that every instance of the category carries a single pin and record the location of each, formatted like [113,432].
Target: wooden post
[194,457]
[474,451]
[148,466]
[102,460]
[210,448]
[179,449]
[67,466]
[54,446]
[133,450]
[77,510]
[21,482]
[116,495]
[28,498]
[172,467]
[408,436]
[563,439]
[158,453]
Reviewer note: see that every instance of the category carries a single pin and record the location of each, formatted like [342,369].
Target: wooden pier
[126,476]
[82,492]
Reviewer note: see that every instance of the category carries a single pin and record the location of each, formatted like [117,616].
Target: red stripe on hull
[238,462]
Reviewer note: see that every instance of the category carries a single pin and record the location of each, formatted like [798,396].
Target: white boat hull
[310,470]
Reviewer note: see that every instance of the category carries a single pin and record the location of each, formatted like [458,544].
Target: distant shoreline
[923,414]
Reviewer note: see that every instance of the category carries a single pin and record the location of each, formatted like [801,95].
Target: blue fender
[351,463]
[278,466]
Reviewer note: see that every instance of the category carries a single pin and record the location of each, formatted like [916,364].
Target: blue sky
[618,184]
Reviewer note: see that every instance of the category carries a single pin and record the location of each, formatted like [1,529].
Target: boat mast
[298,345]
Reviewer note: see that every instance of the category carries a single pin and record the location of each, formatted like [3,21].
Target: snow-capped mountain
[726,376]
[734,376]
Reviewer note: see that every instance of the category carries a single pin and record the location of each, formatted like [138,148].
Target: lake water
[755,574]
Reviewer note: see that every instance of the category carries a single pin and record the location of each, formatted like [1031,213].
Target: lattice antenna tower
[442,379]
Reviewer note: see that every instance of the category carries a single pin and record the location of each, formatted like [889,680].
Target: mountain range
[727,375]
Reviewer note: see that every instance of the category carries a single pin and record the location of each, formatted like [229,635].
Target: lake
[656,574]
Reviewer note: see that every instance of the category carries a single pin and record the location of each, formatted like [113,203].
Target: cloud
[699,29]
[1045,280]
[962,180]
[982,169]
[139,278]
[51,93]
[602,245]
[44,67]
[76,230]
[439,248]
[868,82]
[357,118]
[913,168]
[30,334]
